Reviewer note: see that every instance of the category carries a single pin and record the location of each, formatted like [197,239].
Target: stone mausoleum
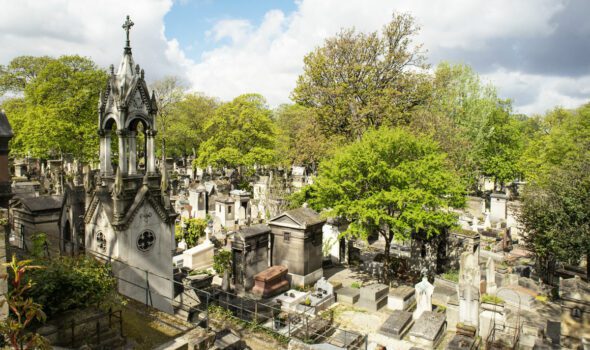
[297,245]
[129,219]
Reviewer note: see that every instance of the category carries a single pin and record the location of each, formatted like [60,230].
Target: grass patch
[492,299]
[451,275]
[145,328]
[356,285]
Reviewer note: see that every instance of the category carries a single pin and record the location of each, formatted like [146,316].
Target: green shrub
[356,285]
[68,283]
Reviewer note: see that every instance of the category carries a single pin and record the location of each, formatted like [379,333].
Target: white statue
[424,292]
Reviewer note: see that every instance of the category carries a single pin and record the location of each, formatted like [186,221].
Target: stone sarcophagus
[271,281]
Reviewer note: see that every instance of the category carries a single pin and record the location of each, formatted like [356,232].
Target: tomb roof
[5,129]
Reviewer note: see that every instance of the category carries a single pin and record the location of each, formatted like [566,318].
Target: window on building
[145,241]
[576,313]
[229,209]
[101,242]
[286,236]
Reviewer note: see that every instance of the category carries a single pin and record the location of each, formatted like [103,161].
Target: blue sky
[189,20]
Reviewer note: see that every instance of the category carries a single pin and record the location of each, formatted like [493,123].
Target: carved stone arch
[137,118]
[108,122]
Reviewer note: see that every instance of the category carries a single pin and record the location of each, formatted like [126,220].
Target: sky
[536,52]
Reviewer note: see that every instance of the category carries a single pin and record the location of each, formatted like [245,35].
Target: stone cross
[424,292]
[127,26]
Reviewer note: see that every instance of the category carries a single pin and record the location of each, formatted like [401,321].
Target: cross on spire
[127,26]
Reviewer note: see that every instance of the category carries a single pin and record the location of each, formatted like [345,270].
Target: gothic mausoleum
[128,219]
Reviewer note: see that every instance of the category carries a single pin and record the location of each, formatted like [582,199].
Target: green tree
[391,182]
[240,134]
[187,117]
[299,142]
[471,124]
[357,81]
[169,91]
[57,112]
[21,70]
[556,206]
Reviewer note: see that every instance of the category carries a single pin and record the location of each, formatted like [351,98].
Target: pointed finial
[112,69]
[142,73]
[137,69]
[127,26]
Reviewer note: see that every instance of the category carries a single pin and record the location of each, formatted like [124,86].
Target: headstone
[428,330]
[487,224]
[182,245]
[323,285]
[424,292]
[397,324]
[348,295]
[491,276]
[461,342]
[401,298]
[373,297]
[271,281]
[468,289]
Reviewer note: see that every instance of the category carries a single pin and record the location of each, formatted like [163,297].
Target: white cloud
[268,57]
[89,28]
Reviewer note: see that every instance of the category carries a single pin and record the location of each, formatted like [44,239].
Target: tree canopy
[240,133]
[390,182]
[56,113]
[357,81]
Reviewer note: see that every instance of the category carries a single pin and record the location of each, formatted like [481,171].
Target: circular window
[101,241]
[145,241]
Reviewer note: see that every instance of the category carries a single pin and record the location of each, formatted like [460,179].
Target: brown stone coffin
[271,281]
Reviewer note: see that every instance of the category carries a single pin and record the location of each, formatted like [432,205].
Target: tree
[471,124]
[555,210]
[187,117]
[300,143]
[222,265]
[23,309]
[169,91]
[57,112]
[240,134]
[21,71]
[390,182]
[357,81]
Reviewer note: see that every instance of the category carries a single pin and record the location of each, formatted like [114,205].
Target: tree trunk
[386,274]
[588,266]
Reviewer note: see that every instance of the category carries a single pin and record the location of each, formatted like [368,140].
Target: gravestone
[348,295]
[428,330]
[373,297]
[401,298]
[397,324]
[271,281]
[491,276]
[461,342]
[424,292]
[468,289]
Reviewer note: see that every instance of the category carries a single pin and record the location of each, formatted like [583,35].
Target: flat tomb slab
[347,295]
[372,305]
[397,324]
[428,329]
[401,298]
[374,292]
[461,342]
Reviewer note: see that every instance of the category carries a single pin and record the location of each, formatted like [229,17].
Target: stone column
[106,167]
[132,153]
[150,152]
[123,151]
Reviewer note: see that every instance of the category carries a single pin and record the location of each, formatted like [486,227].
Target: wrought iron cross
[127,26]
